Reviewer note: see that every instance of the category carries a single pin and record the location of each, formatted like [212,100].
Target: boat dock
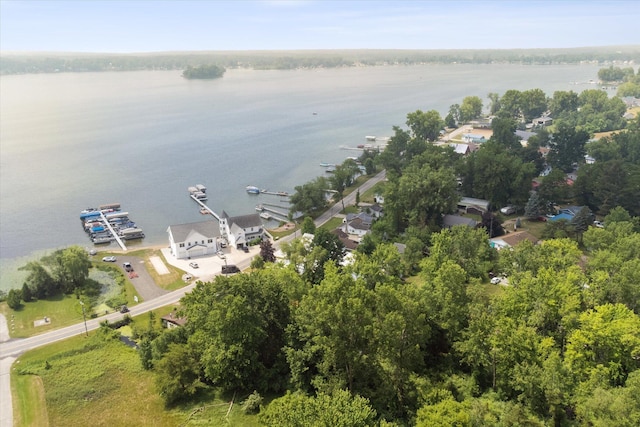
[109,223]
[113,232]
[278,215]
[203,206]
[275,193]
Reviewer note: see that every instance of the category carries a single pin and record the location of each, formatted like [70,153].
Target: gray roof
[246,221]
[208,229]
[450,220]
[524,134]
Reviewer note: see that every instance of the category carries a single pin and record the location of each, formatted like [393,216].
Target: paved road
[12,348]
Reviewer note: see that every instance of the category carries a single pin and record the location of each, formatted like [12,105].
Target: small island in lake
[203,72]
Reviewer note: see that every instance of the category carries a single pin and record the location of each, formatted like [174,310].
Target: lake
[76,140]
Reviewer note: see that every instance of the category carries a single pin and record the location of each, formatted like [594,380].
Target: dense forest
[419,336]
[23,63]
[203,72]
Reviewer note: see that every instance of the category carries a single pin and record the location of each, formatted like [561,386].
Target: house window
[203,242]
[210,241]
[182,245]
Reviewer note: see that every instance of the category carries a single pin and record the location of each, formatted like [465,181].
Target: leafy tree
[453,117]
[470,109]
[344,175]
[553,189]
[308,226]
[237,326]
[310,197]
[608,338]
[510,104]
[14,299]
[39,280]
[494,107]
[337,409]
[465,246]
[251,405]
[563,103]
[533,103]
[447,412]
[267,251]
[177,374]
[504,134]
[395,156]
[203,72]
[567,146]
[425,126]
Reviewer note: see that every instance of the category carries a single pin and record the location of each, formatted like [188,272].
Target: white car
[109,259]
[508,210]
[193,265]
[221,255]
[598,224]
[495,280]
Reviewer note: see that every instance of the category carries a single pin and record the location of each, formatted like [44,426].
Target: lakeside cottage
[193,239]
[357,224]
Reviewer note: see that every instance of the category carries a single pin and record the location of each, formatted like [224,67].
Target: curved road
[11,349]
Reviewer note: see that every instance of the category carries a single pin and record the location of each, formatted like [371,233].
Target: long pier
[113,232]
[275,193]
[215,215]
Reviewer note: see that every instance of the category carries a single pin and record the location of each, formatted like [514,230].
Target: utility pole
[84,316]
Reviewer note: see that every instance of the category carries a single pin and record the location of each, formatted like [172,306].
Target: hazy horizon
[139,27]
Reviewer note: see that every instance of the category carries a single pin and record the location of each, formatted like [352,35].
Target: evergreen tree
[266,251]
[14,299]
[27,295]
[532,208]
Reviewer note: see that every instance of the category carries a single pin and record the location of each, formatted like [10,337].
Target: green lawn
[332,224]
[101,382]
[61,310]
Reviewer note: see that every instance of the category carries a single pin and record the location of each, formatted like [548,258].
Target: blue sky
[169,25]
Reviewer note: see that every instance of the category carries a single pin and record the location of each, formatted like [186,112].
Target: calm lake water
[71,141]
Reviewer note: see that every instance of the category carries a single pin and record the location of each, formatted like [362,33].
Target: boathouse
[194,239]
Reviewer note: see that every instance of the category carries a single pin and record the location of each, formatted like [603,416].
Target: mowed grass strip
[61,310]
[99,381]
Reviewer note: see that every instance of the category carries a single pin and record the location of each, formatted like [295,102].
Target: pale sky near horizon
[122,26]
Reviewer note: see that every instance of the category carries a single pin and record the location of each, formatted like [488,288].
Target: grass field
[100,382]
[61,310]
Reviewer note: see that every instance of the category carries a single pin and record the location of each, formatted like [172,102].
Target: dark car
[246,249]
[124,309]
[127,266]
[230,269]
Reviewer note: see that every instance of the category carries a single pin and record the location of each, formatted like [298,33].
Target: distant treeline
[15,63]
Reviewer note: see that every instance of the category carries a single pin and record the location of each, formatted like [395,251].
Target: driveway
[144,284]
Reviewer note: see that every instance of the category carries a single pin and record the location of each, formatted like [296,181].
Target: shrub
[251,404]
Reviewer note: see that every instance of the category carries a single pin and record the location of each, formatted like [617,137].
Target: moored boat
[252,189]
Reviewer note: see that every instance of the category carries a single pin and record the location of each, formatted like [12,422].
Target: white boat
[265,215]
[253,190]
[326,165]
[370,138]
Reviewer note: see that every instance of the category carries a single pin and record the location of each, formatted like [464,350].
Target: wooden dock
[113,232]
[203,206]
[283,216]
[275,193]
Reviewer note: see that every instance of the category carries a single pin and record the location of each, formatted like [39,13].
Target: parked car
[109,259]
[495,280]
[246,249]
[508,210]
[598,224]
[127,266]
[193,265]
[221,255]
[230,269]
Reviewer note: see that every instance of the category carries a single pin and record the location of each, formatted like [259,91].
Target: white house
[194,239]
[240,230]
[357,224]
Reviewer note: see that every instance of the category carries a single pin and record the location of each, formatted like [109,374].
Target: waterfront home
[241,230]
[357,224]
[170,321]
[193,239]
